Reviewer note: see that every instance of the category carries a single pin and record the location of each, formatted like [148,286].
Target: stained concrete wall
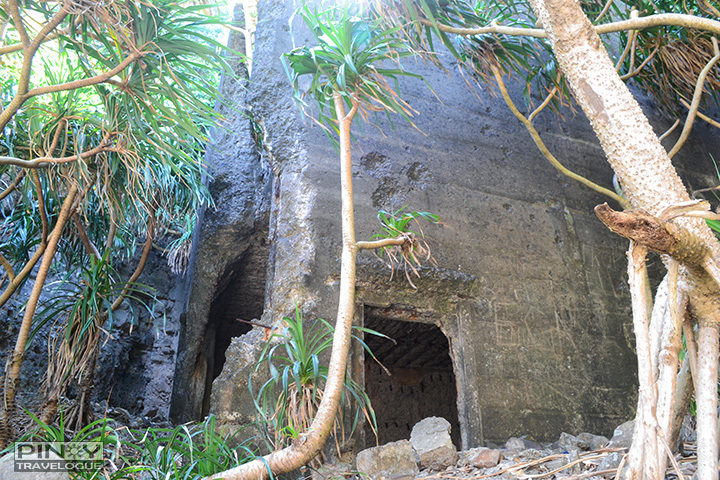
[529,287]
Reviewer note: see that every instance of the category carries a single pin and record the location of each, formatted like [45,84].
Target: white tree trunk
[646,174]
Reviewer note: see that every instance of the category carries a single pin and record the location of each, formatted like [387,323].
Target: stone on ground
[7,470]
[394,460]
[622,437]
[430,438]
[584,442]
[480,457]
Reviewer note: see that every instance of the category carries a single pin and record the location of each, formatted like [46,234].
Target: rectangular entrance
[421,382]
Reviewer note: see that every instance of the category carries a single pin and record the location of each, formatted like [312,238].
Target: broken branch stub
[662,237]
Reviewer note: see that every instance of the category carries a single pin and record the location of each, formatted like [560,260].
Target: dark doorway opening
[422,382]
[240,296]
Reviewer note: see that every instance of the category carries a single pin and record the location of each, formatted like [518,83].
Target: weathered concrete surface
[231,400]
[227,235]
[529,286]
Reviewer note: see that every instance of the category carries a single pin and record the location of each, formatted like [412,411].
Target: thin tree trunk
[311,442]
[707,401]
[683,394]
[12,381]
[643,455]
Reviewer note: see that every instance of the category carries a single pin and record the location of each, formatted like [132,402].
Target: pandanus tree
[348,73]
[559,47]
[105,112]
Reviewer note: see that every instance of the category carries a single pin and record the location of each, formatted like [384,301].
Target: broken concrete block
[392,460]
[430,438]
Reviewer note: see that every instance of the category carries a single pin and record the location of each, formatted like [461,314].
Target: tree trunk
[12,382]
[639,160]
[311,442]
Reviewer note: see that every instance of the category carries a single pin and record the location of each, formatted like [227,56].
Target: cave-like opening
[421,382]
[240,298]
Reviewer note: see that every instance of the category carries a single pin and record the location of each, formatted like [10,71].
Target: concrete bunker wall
[529,287]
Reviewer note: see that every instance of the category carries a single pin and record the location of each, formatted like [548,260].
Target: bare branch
[103,77]
[669,130]
[544,104]
[662,237]
[492,28]
[642,65]
[16,47]
[544,150]
[41,204]
[12,185]
[697,96]
[708,7]
[43,162]
[8,268]
[702,116]
[14,9]
[89,246]
[661,19]
[140,266]
[629,46]
[655,20]
[604,11]
[385,242]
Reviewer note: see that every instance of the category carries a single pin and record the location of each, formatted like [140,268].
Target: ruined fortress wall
[529,288]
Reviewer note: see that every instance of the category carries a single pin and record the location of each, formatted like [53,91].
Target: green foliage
[185,452]
[354,57]
[530,58]
[153,117]
[414,249]
[398,222]
[286,403]
[115,104]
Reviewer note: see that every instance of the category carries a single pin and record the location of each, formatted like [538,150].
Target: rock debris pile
[429,454]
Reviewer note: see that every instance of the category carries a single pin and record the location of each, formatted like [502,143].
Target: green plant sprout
[414,250]
[286,403]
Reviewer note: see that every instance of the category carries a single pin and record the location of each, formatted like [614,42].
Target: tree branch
[43,162]
[669,130]
[41,204]
[492,28]
[641,23]
[8,268]
[103,77]
[544,150]
[89,246]
[702,116]
[12,185]
[662,237]
[697,95]
[16,47]
[140,266]
[385,242]
[14,9]
[661,20]
[29,50]
[629,46]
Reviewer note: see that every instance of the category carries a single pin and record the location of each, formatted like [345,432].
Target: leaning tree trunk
[648,179]
[309,444]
